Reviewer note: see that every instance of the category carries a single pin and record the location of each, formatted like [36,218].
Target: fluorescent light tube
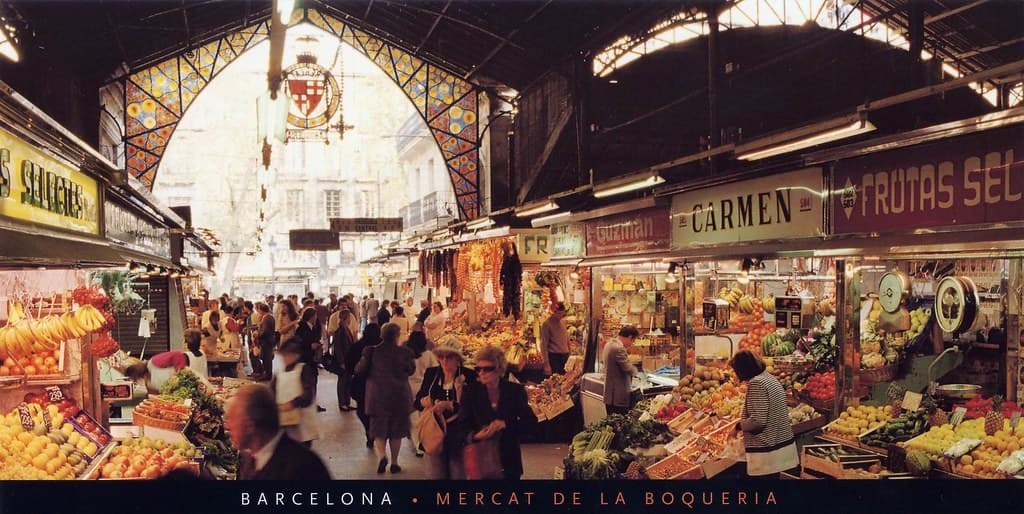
[551,219]
[479,223]
[803,138]
[625,186]
[536,208]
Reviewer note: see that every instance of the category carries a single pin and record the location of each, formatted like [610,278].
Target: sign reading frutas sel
[361,225]
[37,188]
[784,206]
[632,232]
[971,180]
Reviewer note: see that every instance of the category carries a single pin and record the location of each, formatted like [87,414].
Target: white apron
[289,387]
[775,461]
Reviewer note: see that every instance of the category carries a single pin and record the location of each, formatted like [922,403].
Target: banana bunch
[768,304]
[732,296]
[746,304]
[23,337]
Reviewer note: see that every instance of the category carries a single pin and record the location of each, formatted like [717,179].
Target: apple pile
[147,458]
[68,407]
[39,363]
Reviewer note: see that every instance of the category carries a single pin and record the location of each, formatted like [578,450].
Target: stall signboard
[364,225]
[629,233]
[127,227]
[568,241]
[785,206]
[313,240]
[38,188]
[534,246]
[972,180]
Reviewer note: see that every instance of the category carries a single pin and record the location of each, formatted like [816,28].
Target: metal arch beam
[117,36]
[506,41]
[188,29]
[366,14]
[452,19]
[433,26]
[953,12]
[987,49]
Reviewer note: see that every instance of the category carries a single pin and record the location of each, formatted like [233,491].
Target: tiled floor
[342,446]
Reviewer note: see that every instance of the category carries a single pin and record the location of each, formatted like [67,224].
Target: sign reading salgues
[568,241]
[971,180]
[640,231]
[534,246]
[37,188]
[784,206]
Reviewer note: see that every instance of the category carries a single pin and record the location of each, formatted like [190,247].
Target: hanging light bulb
[672,278]
[575,273]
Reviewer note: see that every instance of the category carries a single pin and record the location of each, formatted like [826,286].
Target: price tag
[26,417]
[54,393]
[958,416]
[188,402]
[912,401]
[1014,420]
[46,420]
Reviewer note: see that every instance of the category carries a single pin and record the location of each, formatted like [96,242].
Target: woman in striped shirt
[767,432]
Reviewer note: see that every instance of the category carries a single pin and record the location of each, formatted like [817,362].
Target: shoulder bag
[431,429]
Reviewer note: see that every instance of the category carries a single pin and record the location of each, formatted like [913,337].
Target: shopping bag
[288,418]
[482,460]
[431,430]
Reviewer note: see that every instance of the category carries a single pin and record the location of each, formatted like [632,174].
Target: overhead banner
[568,241]
[972,180]
[633,232]
[127,227]
[313,240]
[785,206]
[38,188]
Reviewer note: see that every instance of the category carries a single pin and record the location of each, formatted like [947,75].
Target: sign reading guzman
[640,231]
[37,188]
[784,206]
[568,241]
[313,240]
[976,179]
[362,225]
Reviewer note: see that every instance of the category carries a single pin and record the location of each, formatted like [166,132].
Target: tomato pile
[104,346]
[90,296]
[670,412]
[979,406]
[822,386]
[752,341]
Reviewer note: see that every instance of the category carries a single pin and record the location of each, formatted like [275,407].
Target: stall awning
[132,255]
[19,249]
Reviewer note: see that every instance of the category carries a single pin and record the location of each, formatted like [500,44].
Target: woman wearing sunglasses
[495,408]
[441,392]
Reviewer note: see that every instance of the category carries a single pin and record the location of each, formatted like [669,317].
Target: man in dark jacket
[383,314]
[265,452]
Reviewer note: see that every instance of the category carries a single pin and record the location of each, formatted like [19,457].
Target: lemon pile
[857,420]
[58,454]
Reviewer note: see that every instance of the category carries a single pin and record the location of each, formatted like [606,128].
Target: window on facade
[293,205]
[365,205]
[332,203]
[348,249]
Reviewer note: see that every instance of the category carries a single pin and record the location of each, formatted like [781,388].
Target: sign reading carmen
[363,225]
[37,188]
[781,206]
[971,180]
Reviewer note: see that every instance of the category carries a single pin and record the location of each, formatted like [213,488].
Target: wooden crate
[834,468]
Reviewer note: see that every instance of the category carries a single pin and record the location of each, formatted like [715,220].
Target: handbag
[431,430]
[288,418]
[482,460]
[256,351]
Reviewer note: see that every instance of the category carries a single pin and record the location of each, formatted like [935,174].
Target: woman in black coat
[441,392]
[357,384]
[496,408]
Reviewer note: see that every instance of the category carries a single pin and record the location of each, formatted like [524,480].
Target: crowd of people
[396,370]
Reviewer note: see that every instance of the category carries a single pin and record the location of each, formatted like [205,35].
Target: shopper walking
[496,409]
[265,453]
[370,338]
[342,341]
[294,389]
[435,323]
[424,360]
[767,432]
[287,320]
[266,340]
[554,342]
[618,371]
[372,310]
[387,368]
[404,323]
[384,314]
[441,393]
